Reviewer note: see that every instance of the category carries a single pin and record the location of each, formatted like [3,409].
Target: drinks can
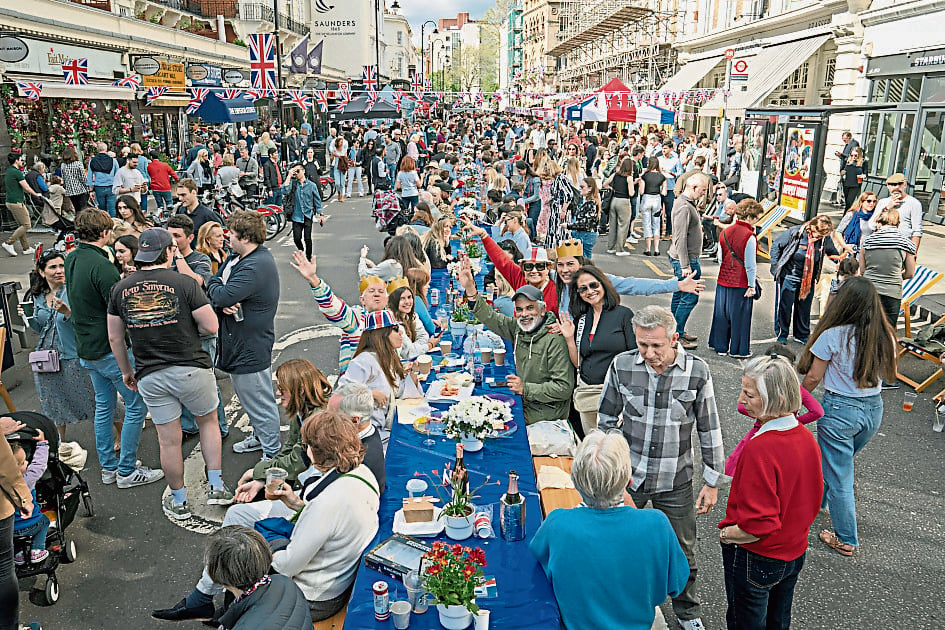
[478,372]
[434,297]
[381,601]
[238,315]
[483,524]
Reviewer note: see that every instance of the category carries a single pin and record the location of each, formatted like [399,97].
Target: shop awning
[217,110]
[172,100]
[690,74]
[85,92]
[766,71]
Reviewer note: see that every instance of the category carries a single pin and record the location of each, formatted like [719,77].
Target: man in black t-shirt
[191,206]
[165,312]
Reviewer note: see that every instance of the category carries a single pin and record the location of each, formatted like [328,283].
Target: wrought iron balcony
[103,5]
[258,12]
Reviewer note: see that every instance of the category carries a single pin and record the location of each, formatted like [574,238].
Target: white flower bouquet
[477,417]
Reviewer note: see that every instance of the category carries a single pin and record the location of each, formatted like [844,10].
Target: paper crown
[571,247]
[395,284]
[379,319]
[367,281]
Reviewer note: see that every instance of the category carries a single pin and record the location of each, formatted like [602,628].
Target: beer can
[381,601]
[478,373]
[238,315]
[434,297]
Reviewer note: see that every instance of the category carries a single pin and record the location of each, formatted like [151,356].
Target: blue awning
[217,110]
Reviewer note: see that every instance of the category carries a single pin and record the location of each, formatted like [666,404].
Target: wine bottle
[512,497]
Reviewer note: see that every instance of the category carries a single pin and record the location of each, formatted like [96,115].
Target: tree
[465,69]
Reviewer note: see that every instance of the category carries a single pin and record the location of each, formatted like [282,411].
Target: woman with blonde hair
[855,222]
[556,195]
[201,170]
[436,243]
[210,240]
[573,171]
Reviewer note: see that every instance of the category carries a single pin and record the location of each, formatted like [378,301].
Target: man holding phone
[910,210]
[129,180]
[306,207]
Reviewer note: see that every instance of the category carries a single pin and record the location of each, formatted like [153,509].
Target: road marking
[657,270]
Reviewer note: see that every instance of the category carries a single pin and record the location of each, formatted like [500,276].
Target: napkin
[409,409]
[553,477]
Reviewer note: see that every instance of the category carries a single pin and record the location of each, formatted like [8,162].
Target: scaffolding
[629,39]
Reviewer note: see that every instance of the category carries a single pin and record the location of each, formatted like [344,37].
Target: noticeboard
[170,75]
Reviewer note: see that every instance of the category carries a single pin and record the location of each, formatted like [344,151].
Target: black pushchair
[58,493]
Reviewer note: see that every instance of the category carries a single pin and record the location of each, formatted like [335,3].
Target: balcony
[257,12]
[230,9]
[103,5]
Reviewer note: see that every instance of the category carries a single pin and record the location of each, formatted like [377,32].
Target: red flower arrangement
[452,574]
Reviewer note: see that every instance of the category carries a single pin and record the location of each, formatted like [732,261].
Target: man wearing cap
[910,210]
[544,375]
[165,312]
[349,318]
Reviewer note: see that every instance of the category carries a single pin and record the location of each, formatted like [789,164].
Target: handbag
[586,397]
[757,295]
[45,359]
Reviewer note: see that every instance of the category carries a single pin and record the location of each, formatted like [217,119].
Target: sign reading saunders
[339,24]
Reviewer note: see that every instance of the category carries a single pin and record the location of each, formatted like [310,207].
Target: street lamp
[433,58]
[423,26]
[444,61]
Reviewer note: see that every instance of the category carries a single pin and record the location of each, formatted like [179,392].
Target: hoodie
[541,360]
[102,170]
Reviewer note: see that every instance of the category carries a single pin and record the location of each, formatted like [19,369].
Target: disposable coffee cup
[425,362]
[481,620]
[27,307]
[400,613]
[274,479]
[486,355]
[446,347]
[499,354]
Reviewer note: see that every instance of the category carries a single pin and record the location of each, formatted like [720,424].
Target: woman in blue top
[851,350]
[65,396]
[306,207]
[530,196]
[618,584]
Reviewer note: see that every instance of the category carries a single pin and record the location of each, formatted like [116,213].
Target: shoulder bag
[586,397]
[46,359]
[757,295]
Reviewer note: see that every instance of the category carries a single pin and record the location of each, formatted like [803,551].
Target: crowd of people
[148,312]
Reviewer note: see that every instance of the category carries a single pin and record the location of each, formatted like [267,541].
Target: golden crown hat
[395,284]
[367,281]
[571,247]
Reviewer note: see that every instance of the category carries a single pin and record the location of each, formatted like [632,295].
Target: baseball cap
[152,243]
[896,178]
[529,293]
[444,187]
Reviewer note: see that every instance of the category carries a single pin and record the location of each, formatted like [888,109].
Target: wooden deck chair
[3,390]
[914,288]
[765,228]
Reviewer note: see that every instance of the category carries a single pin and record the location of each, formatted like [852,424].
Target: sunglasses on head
[590,286]
[533,266]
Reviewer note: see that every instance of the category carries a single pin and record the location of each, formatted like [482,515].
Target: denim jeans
[759,590]
[162,199]
[106,380]
[588,240]
[847,426]
[668,200]
[683,303]
[9,588]
[355,175]
[187,422]
[275,197]
[259,402]
[37,530]
[677,505]
[144,203]
[339,178]
[106,199]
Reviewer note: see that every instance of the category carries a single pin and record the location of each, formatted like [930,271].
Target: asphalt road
[131,558]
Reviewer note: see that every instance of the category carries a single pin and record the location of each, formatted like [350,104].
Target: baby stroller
[62,220]
[389,213]
[58,493]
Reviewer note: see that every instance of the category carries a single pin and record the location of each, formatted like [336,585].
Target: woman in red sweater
[773,501]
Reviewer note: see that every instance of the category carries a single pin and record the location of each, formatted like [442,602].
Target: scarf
[266,579]
[808,274]
[853,232]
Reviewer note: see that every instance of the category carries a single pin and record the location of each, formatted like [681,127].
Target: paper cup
[400,613]
[481,620]
[425,362]
[486,355]
[274,478]
[499,354]
[446,347]
[416,487]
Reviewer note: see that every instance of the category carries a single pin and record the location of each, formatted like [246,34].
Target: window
[798,79]
[895,90]
[869,138]
[884,153]
[877,90]
[400,38]
[830,70]
[905,140]
[913,88]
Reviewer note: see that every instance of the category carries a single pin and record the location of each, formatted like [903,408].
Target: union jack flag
[371,100]
[252,95]
[262,60]
[322,99]
[76,72]
[297,97]
[134,82]
[30,89]
[197,97]
[230,93]
[369,78]
[416,82]
[398,98]
[154,93]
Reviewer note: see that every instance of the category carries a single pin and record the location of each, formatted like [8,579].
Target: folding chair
[765,228]
[914,288]
[3,390]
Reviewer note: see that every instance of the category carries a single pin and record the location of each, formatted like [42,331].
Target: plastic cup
[486,355]
[425,362]
[499,354]
[481,620]
[416,487]
[446,347]
[908,401]
[274,479]
[400,612]
[417,596]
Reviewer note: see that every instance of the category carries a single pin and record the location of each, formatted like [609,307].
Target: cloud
[419,11]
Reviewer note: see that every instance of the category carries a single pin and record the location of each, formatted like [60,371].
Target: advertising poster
[798,149]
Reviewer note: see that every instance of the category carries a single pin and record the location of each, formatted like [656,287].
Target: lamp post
[377,40]
[444,61]
[439,55]
[423,26]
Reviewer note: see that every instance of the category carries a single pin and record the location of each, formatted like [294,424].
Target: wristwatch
[723,537]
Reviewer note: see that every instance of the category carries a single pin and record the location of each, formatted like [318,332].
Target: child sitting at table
[34,524]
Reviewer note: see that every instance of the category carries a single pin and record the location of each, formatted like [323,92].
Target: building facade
[512,46]
[541,21]
[400,55]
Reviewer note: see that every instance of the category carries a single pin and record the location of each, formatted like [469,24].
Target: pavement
[131,558]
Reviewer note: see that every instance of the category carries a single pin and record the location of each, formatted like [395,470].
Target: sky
[419,11]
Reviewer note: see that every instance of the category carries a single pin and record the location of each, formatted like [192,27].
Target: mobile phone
[499,384]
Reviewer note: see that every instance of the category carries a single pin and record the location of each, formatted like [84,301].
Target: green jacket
[542,362]
[290,458]
[90,276]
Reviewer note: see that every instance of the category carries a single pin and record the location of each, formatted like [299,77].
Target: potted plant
[451,575]
[458,320]
[471,420]
[458,508]
[475,253]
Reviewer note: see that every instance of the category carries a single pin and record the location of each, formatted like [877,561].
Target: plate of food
[507,429]
[450,389]
[429,425]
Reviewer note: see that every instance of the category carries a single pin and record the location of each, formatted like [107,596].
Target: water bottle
[434,297]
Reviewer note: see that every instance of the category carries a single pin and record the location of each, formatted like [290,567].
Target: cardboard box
[418,510]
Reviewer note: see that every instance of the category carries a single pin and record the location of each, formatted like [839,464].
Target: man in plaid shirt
[655,394]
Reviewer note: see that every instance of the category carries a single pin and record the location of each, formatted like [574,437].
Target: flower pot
[454,617]
[471,444]
[459,527]
[457,330]
[476,262]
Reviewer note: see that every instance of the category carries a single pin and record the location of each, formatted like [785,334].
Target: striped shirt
[657,412]
[349,318]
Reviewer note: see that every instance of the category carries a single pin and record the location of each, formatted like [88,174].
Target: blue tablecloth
[525,599]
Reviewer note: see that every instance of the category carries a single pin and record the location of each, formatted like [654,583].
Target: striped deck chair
[913,289]
[765,228]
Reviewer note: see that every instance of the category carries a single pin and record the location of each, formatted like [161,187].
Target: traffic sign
[741,66]
[729,53]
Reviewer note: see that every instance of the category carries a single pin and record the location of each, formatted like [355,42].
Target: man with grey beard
[545,375]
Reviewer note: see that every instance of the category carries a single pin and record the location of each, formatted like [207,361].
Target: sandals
[830,539]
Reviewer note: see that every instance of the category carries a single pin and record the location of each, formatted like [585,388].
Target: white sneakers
[248,445]
[29,250]
[140,476]
[8,248]
[692,624]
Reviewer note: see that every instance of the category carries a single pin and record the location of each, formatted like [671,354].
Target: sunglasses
[590,286]
[533,266]
[869,201]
